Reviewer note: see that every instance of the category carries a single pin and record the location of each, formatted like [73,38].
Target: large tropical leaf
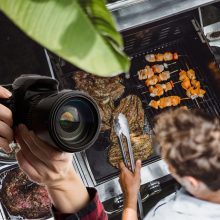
[82,32]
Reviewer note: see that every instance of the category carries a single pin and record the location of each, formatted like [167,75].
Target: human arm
[6,132]
[47,166]
[130,184]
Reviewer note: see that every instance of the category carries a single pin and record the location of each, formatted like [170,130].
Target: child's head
[190,143]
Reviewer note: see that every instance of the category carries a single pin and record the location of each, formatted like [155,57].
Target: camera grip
[7,103]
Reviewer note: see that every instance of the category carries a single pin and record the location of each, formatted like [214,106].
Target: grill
[209,103]
[179,34]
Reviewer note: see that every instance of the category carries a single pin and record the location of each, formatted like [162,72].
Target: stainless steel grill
[179,34]
[209,103]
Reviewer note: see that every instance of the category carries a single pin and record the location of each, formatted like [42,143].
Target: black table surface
[18,53]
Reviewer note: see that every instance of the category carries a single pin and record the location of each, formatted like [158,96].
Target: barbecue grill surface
[178,35]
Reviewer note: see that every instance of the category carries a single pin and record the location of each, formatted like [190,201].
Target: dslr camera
[68,120]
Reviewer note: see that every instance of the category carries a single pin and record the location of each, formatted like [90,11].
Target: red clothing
[93,211]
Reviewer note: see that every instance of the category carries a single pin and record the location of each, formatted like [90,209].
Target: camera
[68,120]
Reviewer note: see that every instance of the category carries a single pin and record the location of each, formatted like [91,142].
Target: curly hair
[190,142]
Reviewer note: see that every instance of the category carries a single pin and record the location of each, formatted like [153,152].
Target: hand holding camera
[42,162]
[6,122]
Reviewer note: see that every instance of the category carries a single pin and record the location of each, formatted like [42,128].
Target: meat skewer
[167,56]
[166,102]
[148,71]
[145,73]
[159,89]
[164,76]
[190,84]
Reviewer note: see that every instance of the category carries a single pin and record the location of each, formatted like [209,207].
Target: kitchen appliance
[179,32]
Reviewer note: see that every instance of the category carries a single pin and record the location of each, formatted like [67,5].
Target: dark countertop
[18,53]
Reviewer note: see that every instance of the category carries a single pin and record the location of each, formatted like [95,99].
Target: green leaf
[81,32]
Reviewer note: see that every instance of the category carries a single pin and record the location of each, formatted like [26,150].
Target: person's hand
[6,122]
[130,184]
[45,165]
[41,162]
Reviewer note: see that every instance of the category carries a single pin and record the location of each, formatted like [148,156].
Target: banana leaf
[82,32]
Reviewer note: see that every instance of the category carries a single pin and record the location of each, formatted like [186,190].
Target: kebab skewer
[167,56]
[164,76]
[148,71]
[159,89]
[166,102]
[190,84]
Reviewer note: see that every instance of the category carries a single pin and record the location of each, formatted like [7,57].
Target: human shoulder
[160,210]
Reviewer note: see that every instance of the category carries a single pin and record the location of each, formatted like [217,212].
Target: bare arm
[130,184]
[45,165]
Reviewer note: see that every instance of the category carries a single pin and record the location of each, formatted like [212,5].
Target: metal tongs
[122,128]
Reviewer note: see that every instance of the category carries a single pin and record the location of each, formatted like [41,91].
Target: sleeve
[94,210]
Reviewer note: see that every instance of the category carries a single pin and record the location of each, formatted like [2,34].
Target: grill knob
[118,202]
[154,188]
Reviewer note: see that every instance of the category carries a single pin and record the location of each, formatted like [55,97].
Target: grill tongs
[121,128]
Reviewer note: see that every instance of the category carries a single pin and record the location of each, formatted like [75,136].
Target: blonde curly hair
[190,142]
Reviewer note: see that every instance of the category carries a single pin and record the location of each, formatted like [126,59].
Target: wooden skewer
[166,65]
[187,98]
[174,71]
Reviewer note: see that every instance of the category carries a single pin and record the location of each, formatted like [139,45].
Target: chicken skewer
[167,56]
[166,102]
[164,76]
[148,71]
[159,89]
[190,84]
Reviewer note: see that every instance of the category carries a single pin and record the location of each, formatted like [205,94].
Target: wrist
[69,195]
[68,180]
[130,202]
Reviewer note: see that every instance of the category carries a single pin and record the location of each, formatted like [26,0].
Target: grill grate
[177,37]
[209,103]
[100,167]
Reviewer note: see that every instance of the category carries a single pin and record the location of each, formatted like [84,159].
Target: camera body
[68,120]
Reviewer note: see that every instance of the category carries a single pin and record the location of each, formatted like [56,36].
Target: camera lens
[76,121]
[69,120]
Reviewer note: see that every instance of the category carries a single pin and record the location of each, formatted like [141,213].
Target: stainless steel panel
[154,171]
[136,13]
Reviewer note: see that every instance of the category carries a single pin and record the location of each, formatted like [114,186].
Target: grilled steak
[104,90]
[141,145]
[131,107]
[23,197]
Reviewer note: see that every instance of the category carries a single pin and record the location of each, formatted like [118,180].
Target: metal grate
[100,167]
[209,103]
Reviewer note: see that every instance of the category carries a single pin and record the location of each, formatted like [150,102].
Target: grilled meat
[131,107]
[141,145]
[190,84]
[186,83]
[23,197]
[145,73]
[150,58]
[167,56]
[165,102]
[158,68]
[104,91]
[159,89]
[99,87]
[106,114]
[191,74]
[158,78]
